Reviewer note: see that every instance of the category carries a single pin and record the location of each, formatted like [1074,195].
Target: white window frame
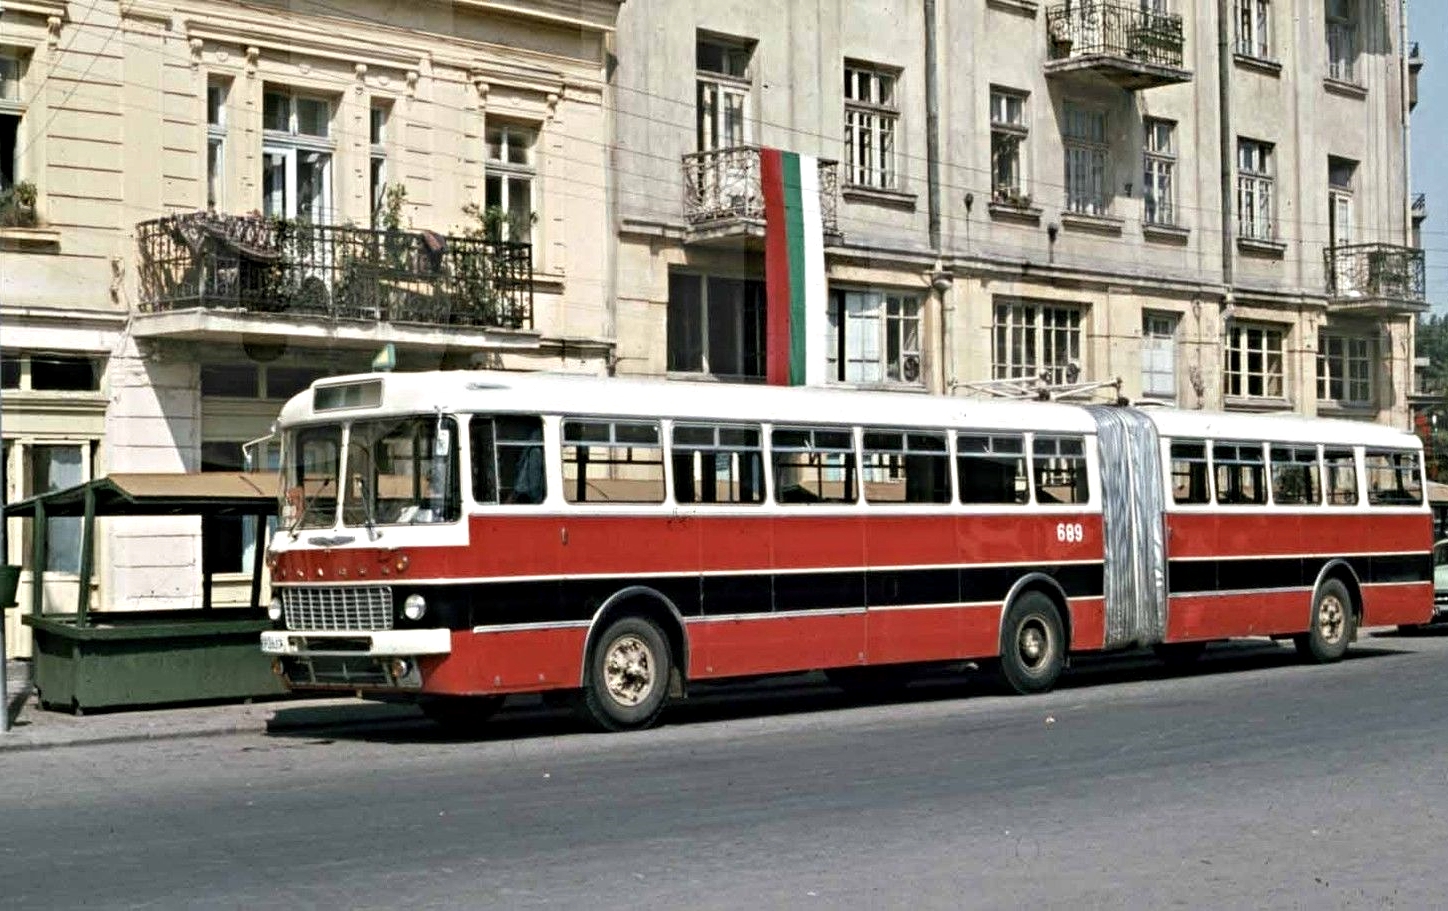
[379,117]
[1158,355]
[722,100]
[882,341]
[1009,131]
[12,104]
[22,450]
[1269,346]
[1254,29]
[508,173]
[290,150]
[1342,39]
[1345,365]
[1030,338]
[1088,159]
[1340,226]
[1256,204]
[216,128]
[872,126]
[1159,157]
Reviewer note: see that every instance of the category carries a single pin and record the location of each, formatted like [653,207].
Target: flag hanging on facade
[797,327]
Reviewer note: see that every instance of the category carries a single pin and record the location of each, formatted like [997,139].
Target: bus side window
[612,462]
[1189,472]
[1060,469]
[1241,474]
[508,459]
[1393,479]
[992,468]
[1342,488]
[813,465]
[905,467]
[1296,480]
[718,464]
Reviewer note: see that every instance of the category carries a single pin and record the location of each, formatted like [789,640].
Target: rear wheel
[1332,625]
[627,678]
[461,714]
[1033,644]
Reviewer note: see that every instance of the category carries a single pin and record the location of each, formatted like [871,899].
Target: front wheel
[627,678]
[1033,644]
[1332,625]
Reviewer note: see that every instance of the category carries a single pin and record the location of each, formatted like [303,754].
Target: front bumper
[381,643]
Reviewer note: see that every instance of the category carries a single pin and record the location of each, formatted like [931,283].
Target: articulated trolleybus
[455,537]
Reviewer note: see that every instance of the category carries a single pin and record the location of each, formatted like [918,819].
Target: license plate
[274,642]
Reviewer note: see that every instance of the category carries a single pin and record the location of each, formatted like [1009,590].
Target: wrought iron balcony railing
[1375,272]
[1088,28]
[724,185]
[1420,205]
[261,265]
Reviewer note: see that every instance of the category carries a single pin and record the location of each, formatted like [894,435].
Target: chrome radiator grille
[355,607]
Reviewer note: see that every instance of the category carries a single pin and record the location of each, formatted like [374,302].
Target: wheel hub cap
[628,669]
[1331,620]
[1033,644]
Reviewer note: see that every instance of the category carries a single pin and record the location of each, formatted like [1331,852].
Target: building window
[1342,40]
[512,170]
[874,337]
[1008,133]
[1037,341]
[1340,173]
[228,543]
[1158,185]
[217,92]
[1344,369]
[1253,363]
[716,325]
[1254,28]
[297,151]
[1255,206]
[722,92]
[1084,137]
[378,116]
[872,117]
[41,371]
[12,111]
[1158,356]
[49,467]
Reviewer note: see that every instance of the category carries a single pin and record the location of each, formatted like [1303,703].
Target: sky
[1428,25]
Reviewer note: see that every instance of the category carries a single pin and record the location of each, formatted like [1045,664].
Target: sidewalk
[34,728]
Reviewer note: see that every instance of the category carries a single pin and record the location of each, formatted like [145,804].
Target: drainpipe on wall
[1407,126]
[1224,115]
[941,280]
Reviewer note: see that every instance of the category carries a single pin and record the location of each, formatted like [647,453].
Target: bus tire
[461,714]
[1326,640]
[1033,644]
[627,679]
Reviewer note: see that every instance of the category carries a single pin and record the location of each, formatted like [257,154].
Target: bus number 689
[1070,532]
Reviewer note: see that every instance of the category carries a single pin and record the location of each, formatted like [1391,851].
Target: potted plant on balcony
[17,206]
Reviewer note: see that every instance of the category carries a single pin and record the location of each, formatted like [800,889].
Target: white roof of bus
[552,393]
[557,393]
[1276,428]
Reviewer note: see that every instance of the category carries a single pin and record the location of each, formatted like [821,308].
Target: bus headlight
[274,609]
[414,607]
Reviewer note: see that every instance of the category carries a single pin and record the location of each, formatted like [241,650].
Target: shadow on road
[527,717]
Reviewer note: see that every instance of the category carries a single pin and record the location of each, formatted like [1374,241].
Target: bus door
[1133,501]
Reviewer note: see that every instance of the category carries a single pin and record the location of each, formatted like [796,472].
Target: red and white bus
[456,537]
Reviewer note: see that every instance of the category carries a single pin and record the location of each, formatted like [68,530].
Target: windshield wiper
[369,516]
[307,504]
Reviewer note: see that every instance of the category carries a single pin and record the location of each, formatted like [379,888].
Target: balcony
[1375,278]
[1420,207]
[1126,45]
[1415,66]
[724,199]
[204,274]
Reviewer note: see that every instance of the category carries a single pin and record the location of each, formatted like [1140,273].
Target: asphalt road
[1250,782]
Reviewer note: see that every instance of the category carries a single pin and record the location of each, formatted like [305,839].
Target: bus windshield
[401,471]
[314,455]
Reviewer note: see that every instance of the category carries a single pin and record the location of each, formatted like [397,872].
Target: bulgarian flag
[797,327]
